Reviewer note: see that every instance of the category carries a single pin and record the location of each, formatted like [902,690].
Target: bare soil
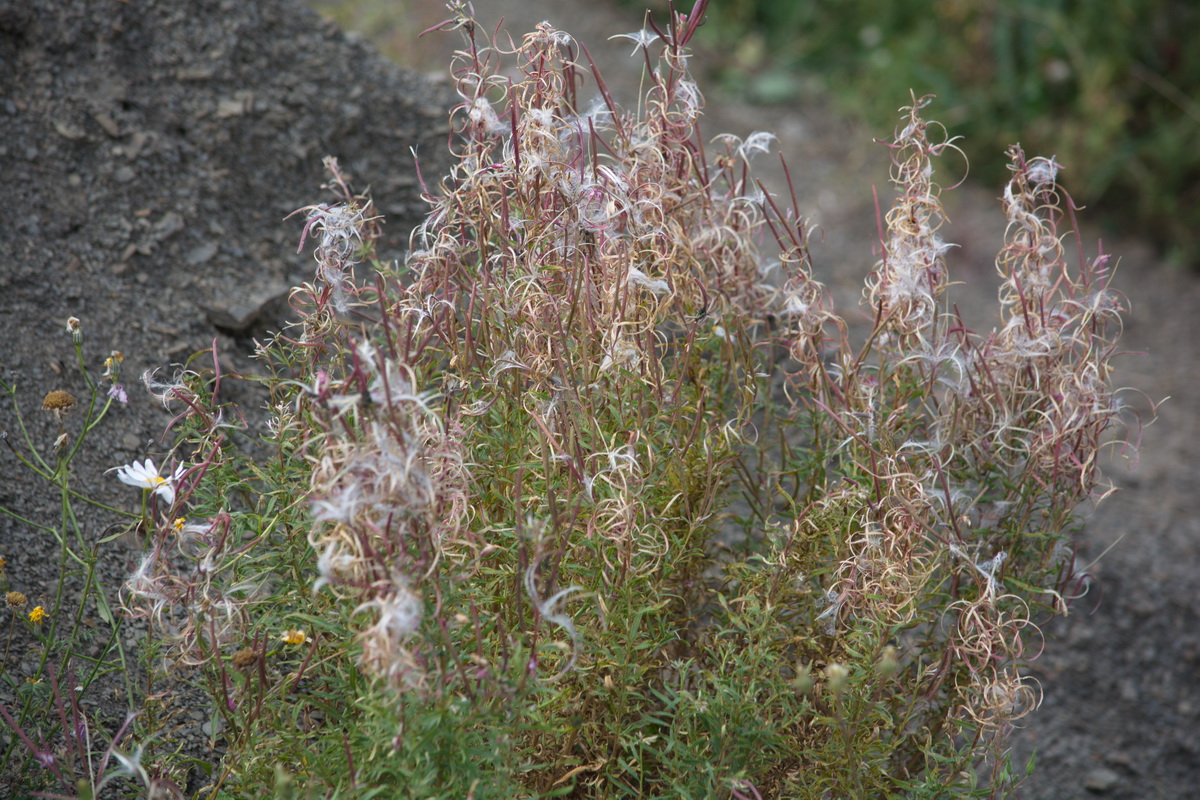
[151,150]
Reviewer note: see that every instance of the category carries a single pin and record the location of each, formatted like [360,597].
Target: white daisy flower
[145,476]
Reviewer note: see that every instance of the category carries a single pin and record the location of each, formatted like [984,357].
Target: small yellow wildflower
[112,364]
[38,615]
[295,637]
[179,523]
[3,564]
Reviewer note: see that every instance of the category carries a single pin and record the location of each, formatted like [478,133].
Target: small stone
[195,73]
[1119,758]
[200,254]
[238,314]
[233,106]
[107,123]
[136,143]
[170,224]
[1101,780]
[68,130]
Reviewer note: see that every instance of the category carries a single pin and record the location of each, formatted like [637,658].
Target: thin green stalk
[87,584]
[45,471]
[12,623]
[48,475]
[108,648]
[58,601]
[29,522]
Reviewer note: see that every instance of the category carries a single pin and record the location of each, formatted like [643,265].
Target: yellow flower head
[112,364]
[179,523]
[38,615]
[16,600]
[294,637]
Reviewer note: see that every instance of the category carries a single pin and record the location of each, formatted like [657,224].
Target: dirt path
[151,151]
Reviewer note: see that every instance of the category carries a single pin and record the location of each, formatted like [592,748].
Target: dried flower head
[75,328]
[16,601]
[245,659]
[58,402]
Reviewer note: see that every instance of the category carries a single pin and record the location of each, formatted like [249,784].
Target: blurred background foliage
[1110,87]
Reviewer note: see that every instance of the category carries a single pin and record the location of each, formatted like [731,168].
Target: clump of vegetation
[594,496]
[1111,89]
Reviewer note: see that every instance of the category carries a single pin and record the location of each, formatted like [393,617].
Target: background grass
[1112,89]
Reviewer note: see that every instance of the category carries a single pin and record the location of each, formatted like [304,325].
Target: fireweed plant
[593,496]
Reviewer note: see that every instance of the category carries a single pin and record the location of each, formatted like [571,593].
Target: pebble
[238,314]
[170,224]
[107,123]
[1101,780]
[200,254]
